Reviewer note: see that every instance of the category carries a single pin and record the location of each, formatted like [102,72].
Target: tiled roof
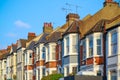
[108,12]
[97,28]
[14,47]
[73,28]
[3,53]
[54,37]
[43,38]
[31,46]
[23,42]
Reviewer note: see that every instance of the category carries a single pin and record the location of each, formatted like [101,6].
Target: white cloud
[21,24]
[11,35]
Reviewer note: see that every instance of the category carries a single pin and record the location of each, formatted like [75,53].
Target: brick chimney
[8,48]
[31,36]
[47,28]
[108,0]
[72,17]
[110,3]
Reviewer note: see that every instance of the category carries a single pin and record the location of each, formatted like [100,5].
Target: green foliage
[52,77]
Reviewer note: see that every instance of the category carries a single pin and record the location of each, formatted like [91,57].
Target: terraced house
[11,63]
[79,46]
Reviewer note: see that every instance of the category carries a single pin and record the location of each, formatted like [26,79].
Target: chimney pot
[47,27]
[72,17]
[109,0]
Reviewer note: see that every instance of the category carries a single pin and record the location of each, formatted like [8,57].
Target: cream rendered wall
[14,64]
[113,59]
[20,64]
[118,53]
[3,68]
[50,70]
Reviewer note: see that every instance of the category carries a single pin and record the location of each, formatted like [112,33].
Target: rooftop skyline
[18,17]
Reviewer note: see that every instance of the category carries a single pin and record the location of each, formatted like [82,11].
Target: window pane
[98,41]
[98,45]
[67,45]
[43,55]
[98,50]
[74,43]
[53,52]
[113,75]
[90,46]
[114,43]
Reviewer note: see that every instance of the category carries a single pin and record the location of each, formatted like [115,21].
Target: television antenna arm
[76,6]
[66,10]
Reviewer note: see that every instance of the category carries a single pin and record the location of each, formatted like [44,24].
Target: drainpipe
[78,47]
[104,51]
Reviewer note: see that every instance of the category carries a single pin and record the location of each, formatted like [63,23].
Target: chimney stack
[47,28]
[31,36]
[72,17]
[108,0]
[110,3]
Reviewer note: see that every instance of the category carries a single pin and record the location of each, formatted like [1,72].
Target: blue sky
[18,17]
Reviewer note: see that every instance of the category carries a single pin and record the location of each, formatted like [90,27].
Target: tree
[52,77]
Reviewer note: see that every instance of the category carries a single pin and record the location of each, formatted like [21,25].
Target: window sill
[90,57]
[98,56]
[112,55]
[70,54]
[84,59]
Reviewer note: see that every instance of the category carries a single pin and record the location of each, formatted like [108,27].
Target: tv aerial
[66,10]
[76,6]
